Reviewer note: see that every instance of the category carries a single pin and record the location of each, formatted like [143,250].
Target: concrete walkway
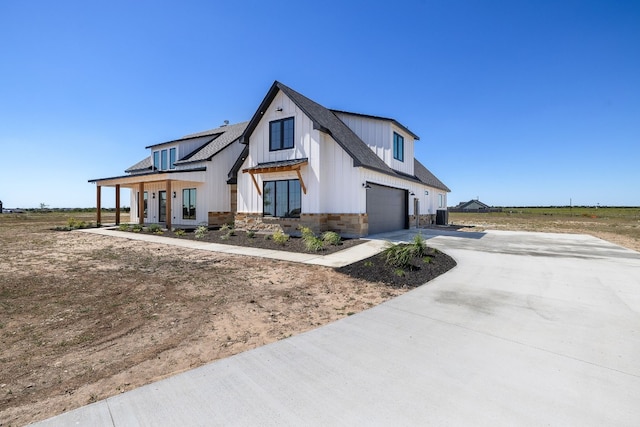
[336,259]
[529,329]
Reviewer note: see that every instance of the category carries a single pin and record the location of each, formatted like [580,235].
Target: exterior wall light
[174,194]
[278,109]
[153,195]
[412,194]
[365,185]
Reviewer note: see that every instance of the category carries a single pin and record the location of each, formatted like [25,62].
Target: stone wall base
[425,220]
[218,219]
[348,225]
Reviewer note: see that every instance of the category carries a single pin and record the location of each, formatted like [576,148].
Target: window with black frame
[282,199]
[281,134]
[189,203]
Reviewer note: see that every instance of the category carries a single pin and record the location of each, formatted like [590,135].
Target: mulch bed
[260,240]
[375,269]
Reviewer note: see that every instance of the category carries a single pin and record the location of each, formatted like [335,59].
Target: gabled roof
[229,135]
[213,141]
[465,205]
[326,121]
[426,177]
[386,119]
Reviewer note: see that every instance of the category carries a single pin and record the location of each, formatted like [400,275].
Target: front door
[162,205]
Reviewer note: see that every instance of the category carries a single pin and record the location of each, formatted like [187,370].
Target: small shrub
[399,272]
[251,234]
[280,238]
[153,228]
[368,263]
[180,232]
[419,246]
[314,244]
[307,233]
[159,231]
[332,238]
[426,259]
[399,255]
[225,227]
[200,232]
[225,237]
[137,228]
[123,227]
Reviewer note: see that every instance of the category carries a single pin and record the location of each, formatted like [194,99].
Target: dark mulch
[259,240]
[375,269]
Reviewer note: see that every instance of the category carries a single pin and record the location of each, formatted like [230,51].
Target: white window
[441,200]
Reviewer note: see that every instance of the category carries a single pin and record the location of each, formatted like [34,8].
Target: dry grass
[84,317]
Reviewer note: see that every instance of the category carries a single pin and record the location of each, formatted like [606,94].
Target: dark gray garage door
[386,208]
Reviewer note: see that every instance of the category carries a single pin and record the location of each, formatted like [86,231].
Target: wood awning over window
[281,166]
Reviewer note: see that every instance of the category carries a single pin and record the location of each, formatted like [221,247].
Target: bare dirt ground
[84,317]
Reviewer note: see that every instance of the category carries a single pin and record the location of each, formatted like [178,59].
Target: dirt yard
[84,317]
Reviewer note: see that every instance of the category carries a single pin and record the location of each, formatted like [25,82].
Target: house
[182,182]
[474,205]
[295,163]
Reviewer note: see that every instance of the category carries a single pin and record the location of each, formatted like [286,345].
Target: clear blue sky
[517,102]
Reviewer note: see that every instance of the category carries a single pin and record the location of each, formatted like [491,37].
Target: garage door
[386,208]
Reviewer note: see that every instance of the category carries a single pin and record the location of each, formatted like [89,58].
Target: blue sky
[515,102]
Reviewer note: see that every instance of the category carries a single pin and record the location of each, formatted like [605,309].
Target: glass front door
[162,206]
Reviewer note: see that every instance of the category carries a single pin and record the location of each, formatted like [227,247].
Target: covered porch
[154,196]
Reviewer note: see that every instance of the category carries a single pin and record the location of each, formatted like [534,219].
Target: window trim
[186,209]
[281,142]
[274,198]
[398,147]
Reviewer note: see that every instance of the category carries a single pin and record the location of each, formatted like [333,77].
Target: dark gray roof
[143,165]
[230,133]
[213,141]
[387,119]
[326,121]
[425,176]
[278,164]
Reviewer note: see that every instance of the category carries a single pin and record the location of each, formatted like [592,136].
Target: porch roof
[193,175]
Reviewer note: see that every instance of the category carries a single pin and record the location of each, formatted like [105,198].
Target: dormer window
[281,134]
[164,159]
[398,147]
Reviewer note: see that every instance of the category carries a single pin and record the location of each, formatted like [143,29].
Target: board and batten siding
[378,135]
[218,192]
[306,145]
[341,190]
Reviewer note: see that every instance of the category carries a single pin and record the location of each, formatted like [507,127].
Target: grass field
[620,225]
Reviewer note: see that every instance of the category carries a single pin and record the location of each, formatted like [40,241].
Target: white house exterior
[295,163]
[343,170]
[183,183]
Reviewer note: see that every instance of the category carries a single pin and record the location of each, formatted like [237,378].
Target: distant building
[474,205]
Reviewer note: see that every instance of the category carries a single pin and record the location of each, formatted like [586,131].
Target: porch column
[169,198]
[98,206]
[117,204]
[141,203]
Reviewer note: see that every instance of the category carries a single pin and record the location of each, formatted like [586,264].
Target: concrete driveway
[529,329]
